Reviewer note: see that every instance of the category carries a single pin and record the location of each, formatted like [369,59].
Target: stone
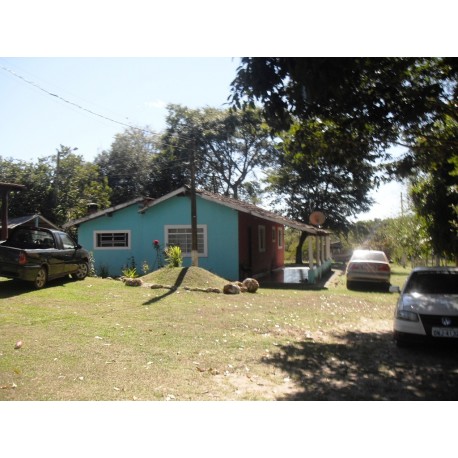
[251,285]
[133,281]
[231,288]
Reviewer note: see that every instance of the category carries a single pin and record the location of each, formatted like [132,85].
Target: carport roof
[23,220]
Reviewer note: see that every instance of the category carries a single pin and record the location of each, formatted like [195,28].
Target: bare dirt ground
[363,364]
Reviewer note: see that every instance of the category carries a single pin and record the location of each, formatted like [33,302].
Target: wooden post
[4,234]
[194,250]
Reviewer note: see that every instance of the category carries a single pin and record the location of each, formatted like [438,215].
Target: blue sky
[131,91]
[192,44]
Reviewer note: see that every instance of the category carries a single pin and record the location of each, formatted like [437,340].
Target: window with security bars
[114,239]
[182,236]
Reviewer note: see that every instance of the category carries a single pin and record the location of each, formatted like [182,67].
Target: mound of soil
[184,277]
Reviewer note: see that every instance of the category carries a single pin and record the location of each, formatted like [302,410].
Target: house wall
[256,257]
[221,225]
[114,259]
[222,256]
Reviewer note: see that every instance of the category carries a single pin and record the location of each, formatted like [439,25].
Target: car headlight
[407,315]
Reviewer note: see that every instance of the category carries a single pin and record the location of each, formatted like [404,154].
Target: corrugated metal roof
[241,206]
[238,205]
[104,212]
[23,220]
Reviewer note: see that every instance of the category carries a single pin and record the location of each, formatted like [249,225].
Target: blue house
[235,239]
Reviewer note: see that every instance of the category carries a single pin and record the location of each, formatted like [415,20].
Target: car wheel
[41,278]
[82,271]
[349,284]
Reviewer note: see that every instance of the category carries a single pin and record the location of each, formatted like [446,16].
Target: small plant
[174,256]
[145,267]
[159,255]
[130,272]
[104,271]
[92,272]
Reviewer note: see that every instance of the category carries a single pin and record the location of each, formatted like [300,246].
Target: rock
[251,285]
[213,290]
[231,288]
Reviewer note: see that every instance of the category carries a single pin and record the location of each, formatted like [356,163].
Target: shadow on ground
[172,290]
[368,366]
[13,288]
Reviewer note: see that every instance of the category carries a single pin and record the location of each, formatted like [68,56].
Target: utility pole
[194,251]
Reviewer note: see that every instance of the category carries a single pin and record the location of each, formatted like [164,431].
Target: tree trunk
[299,247]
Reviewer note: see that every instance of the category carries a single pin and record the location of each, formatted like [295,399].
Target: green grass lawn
[98,339]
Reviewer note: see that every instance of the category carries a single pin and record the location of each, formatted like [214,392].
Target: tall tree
[228,147]
[128,164]
[308,180]
[59,186]
[38,193]
[381,101]
[391,95]
[433,172]
[76,183]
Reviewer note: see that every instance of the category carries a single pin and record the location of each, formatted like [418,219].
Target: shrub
[174,256]
[130,272]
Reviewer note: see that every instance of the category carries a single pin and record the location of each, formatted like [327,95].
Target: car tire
[41,278]
[82,272]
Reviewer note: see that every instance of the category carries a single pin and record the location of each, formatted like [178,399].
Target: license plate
[445,332]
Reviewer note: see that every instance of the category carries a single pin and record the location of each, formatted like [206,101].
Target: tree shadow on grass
[368,366]
[170,291]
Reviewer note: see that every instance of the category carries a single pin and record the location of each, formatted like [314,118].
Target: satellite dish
[317,218]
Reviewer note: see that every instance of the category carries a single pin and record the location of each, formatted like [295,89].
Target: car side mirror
[395,289]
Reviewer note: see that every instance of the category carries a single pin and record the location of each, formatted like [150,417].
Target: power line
[94,113]
[72,103]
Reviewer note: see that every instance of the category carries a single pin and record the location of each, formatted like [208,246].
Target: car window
[369,256]
[67,242]
[433,283]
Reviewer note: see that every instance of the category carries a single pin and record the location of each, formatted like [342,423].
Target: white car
[427,308]
[368,266]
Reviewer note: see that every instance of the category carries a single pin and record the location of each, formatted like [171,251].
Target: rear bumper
[26,273]
[368,278]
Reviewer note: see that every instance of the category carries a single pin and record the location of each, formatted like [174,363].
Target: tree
[381,101]
[228,147]
[128,165]
[315,172]
[76,183]
[432,168]
[37,195]
[59,186]
[392,95]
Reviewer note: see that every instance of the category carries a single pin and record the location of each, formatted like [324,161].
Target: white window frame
[262,238]
[274,238]
[129,240]
[203,227]
[280,235]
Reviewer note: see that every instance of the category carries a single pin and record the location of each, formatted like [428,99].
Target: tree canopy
[227,147]
[59,186]
[372,104]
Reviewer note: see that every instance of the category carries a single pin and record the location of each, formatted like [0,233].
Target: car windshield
[433,283]
[369,256]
